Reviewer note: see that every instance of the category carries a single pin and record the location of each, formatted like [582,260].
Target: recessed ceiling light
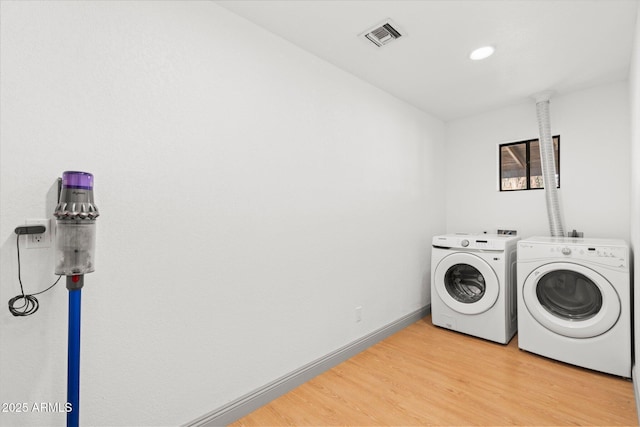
[482,53]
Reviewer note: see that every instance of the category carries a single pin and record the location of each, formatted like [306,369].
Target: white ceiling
[558,45]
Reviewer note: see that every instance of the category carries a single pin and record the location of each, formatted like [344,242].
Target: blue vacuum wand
[73,356]
[76,216]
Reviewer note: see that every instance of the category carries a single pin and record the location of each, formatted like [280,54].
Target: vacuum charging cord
[29,303]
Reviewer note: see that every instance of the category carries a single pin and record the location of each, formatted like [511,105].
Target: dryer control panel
[602,252]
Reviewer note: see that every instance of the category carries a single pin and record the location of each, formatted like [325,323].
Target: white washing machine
[473,285]
[574,302]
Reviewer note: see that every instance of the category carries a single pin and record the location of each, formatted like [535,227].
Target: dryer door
[571,300]
[466,283]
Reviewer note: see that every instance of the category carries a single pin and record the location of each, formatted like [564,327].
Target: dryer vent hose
[547,159]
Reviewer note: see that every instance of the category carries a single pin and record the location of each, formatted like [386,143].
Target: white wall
[594,165]
[251,195]
[634,95]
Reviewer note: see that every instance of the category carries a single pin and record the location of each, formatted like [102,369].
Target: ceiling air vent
[382,34]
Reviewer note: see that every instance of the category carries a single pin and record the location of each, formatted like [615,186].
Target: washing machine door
[466,283]
[571,300]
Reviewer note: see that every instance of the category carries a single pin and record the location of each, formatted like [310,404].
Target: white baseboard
[265,394]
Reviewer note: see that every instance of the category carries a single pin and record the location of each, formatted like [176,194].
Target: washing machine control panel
[488,242]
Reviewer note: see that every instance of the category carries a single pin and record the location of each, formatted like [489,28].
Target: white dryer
[473,285]
[574,302]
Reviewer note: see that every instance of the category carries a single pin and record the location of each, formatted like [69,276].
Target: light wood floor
[425,375]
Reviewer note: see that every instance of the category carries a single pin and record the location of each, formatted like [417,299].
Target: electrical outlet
[358,314]
[41,240]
